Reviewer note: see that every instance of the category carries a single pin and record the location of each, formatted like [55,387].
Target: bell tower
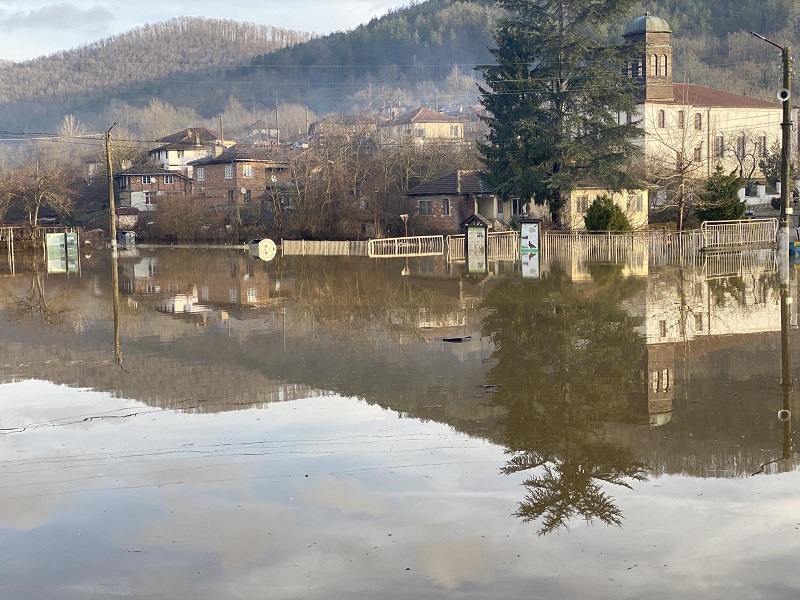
[652,68]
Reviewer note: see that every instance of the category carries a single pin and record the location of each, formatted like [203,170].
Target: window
[228,171]
[664,70]
[148,199]
[582,203]
[719,146]
[640,67]
[247,171]
[635,202]
[147,179]
[698,121]
[654,65]
[741,146]
[201,174]
[698,153]
[248,197]
[424,207]
[420,132]
[681,119]
[662,119]
[698,322]
[499,206]
[662,329]
[233,294]
[454,131]
[231,197]
[169,179]
[762,145]
[252,295]
[204,293]
[446,206]
[124,182]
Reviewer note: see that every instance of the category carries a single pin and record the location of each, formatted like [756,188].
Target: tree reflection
[567,358]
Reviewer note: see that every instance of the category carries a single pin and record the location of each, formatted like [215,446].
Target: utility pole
[277,128]
[111,207]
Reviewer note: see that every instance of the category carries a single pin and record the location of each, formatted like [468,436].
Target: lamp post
[786,126]
[405,222]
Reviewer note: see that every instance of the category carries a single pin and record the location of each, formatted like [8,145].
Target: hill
[423,54]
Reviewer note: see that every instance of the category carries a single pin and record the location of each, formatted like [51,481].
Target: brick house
[179,149]
[140,186]
[442,204]
[239,177]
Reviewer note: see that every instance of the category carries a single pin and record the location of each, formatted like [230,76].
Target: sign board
[529,241]
[62,252]
[476,249]
[263,249]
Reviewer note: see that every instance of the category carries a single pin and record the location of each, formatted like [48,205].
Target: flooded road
[299,429]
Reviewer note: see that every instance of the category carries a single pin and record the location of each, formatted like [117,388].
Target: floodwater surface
[230,428]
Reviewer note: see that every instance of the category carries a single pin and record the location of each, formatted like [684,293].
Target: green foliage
[604,215]
[719,200]
[554,95]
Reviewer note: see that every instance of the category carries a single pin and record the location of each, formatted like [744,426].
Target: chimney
[458,182]
[197,139]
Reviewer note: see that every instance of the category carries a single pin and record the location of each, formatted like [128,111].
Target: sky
[31,28]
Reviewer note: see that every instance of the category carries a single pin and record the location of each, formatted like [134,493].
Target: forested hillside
[423,54]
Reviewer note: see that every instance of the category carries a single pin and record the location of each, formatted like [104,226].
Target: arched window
[654,65]
[698,121]
[664,70]
[662,119]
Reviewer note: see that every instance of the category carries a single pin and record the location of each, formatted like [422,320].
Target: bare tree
[35,186]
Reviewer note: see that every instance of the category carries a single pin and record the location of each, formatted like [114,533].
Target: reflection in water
[567,360]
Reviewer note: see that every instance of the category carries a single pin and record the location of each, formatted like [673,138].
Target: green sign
[62,252]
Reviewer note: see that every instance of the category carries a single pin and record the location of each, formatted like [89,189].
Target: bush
[604,215]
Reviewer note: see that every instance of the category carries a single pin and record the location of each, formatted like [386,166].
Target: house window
[582,204]
[148,199]
[124,182]
[169,179]
[248,197]
[698,153]
[204,293]
[231,197]
[446,206]
[664,70]
[499,206]
[635,202]
[201,174]
[640,67]
[698,121]
[179,153]
[228,171]
[741,146]
[662,119]
[252,295]
[681,119]
[247,171]
[698,322]
[233,294]
[662,329]
[147,179]
[719,146]
[454,131]
[654,65]
[420,132]
[762,145]
[424,207]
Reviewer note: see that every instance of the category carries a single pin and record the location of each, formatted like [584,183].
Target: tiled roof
[149,169]
[190,136]
[459,182]
[423,115]
[243,153]
[698,95]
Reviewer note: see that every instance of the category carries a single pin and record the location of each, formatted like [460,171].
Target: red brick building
[139,187]
[442,204]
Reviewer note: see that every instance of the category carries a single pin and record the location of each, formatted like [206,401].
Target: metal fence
[739,234]
[323,248]
[500,245]
[421,245]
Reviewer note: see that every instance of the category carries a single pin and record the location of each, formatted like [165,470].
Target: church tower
[653,67]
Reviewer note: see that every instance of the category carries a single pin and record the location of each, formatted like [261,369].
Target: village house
[239,177]
[177,150]
[140,186]
[421,126]
[339,129]
[634,203]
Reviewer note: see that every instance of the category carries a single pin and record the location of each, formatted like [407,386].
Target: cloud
[62,16]
[346,496]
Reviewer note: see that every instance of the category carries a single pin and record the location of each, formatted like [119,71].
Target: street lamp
[405,222]
[786,125]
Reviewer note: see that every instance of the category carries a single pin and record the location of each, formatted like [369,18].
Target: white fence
[323,248]
[421,245]
[738,234]
[500,245]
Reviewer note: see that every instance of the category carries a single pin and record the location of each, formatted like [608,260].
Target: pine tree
[719,199]
[554,98]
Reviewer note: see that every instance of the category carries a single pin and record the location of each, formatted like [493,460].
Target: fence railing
[500,245]
[323,248]
[739,262]
[421,245]
[738,234]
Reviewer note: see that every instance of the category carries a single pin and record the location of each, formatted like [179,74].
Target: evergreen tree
[719,199]
[604,215]
[553,99]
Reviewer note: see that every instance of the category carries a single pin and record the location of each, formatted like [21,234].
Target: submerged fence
[323,248]
[739,234]
[500,245]
[421,245]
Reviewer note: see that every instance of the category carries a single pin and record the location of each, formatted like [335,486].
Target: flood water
[300,429]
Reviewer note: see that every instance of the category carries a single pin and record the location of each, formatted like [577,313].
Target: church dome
[646,24]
